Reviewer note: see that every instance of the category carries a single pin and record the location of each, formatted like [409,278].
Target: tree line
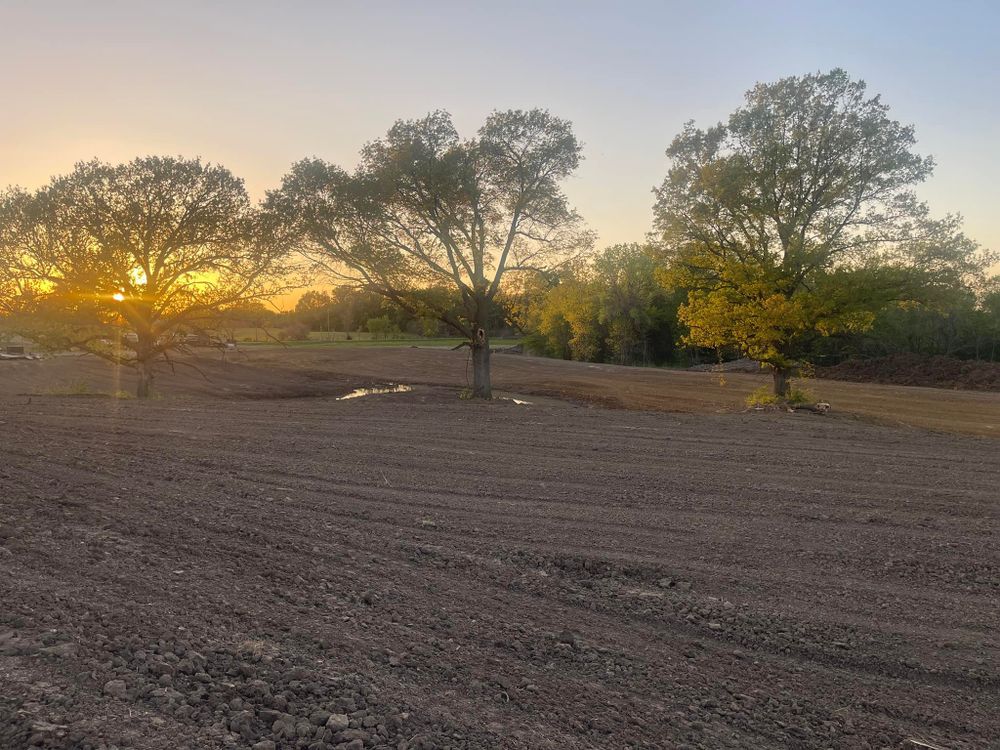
[789,231]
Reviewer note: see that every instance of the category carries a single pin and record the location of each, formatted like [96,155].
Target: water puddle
[376,391]
[512,397]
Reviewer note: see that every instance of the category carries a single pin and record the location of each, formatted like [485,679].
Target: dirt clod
[595,579]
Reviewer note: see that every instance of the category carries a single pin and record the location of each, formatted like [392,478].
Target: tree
[425,209]
[10,276]
[155,247]
[635,309]
[612,310]
[382,328]
[21,276]
[990,306]
[315,309]
[796,220]
[313,301]
[566,322]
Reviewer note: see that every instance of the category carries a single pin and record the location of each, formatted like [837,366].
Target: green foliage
[382,328]
[566,322]
[615,310]
[429,327]
[960,324]
[795,221]
[765,396]
[638,314]
[427,211]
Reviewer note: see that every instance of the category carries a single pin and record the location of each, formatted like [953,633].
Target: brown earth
[230,567]
[277,372]
[912,369]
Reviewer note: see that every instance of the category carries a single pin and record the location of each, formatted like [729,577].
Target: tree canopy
[612,310]
[157,246]
[426,211]
[796,219]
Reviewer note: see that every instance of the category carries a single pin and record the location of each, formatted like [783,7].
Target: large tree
[152,248]
[796,219]
[634,308]
[426,211]
[21,283]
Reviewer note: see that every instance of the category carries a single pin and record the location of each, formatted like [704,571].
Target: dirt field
[233,567]
[275,372]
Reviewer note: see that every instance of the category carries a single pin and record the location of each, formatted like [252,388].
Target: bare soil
[232,566]
[912,369]
[279,372]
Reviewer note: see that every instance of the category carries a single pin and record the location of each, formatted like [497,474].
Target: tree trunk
[144,365]
[481,385]
[145,385]
[782,384]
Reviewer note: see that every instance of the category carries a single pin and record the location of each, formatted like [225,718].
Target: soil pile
[913,369]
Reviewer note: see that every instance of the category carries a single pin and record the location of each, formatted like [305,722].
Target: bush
[382,328]
[429,327]
[764,396]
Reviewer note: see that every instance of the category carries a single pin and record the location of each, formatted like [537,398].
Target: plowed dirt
[234,567]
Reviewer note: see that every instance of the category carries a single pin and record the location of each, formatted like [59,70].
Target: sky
[256,86]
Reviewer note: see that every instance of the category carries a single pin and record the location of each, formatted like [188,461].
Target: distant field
[272,336]
[316,369]
[320,340]
[249,336]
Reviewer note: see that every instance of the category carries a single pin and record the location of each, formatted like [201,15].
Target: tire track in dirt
[611,656]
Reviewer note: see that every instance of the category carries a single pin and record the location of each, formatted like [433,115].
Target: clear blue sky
[257,85]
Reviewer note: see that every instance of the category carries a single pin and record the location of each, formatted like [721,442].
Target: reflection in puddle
[507,396]
[375,391]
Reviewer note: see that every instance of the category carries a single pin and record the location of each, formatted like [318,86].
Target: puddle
[513,397]
[376,391]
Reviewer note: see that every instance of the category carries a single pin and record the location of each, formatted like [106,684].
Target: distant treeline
[615,309]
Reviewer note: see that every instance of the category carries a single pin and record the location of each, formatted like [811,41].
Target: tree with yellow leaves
[796,219]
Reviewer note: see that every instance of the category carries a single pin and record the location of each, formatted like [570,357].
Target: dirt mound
[913,369]
[735,365]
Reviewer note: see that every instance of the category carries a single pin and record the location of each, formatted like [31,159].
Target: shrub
[764,396]
[382,327]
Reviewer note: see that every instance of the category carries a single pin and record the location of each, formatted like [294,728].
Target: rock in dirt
[62,650]
[116,688]
[338,722]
